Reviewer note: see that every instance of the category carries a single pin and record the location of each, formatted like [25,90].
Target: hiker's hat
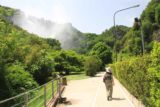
[108,69]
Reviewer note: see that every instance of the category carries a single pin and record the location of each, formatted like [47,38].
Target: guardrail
[38,97]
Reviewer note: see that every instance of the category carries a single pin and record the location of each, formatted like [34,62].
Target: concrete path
[91,93]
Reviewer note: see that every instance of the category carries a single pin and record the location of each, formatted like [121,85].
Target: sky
[92,16]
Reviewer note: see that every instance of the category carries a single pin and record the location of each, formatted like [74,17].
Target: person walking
[109,82]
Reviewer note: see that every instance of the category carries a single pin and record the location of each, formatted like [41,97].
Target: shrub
[92,65]
[68,61]
[157,15]
[103,52]
[147,30]
[18,80]
[141,76]
[133,75]
[154,72]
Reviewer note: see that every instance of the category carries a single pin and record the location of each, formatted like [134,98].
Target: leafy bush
[133,75]
[157,14]
[35,64]
[103,52]
[132,42]
[55,44]
[92,65]
[68,61]
[140,75]
[17,79]
[147,30]
[154,71]
[41,65]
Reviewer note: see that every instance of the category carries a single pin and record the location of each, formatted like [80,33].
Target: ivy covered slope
[150,27]
[25,61]
[141,74]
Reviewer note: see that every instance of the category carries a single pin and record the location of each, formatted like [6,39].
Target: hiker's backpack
[107,77]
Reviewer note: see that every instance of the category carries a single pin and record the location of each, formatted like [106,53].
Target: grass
[77,76]
[36,97]
[39,102]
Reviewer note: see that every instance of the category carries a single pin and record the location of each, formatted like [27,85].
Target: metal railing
[38,97]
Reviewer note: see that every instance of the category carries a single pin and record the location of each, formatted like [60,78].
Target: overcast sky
[86,15]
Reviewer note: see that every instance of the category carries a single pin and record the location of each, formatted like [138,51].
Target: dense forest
[28,60]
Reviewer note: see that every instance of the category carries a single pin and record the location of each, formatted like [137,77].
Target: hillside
[128,41]
[21,56]
[147,25]
[139,72]
[28,60]
[68,36]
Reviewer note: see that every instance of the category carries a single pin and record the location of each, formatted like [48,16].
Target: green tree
[147,30]
[55,44]
[68,61]
[92,65]
[17,79]
[157,14]
[103,52]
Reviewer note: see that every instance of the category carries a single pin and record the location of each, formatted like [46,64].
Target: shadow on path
[97,76]
[118,98]
[67,103]
[70,102]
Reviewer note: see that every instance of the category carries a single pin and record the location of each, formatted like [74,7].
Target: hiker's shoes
[109,98]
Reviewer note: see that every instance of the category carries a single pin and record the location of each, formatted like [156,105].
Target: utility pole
[115,31]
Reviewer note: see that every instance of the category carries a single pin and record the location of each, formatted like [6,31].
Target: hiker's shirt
[108,79]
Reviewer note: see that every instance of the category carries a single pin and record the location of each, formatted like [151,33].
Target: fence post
[59,87]
[52,88]
[45,104]
[26,99]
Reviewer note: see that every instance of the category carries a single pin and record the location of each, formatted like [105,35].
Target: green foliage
[143,73]
[26,59]
[157,14]
[92,65]
[149,12]
[6,12]
[35,64]
[154,71]
[55,44]
[109,37]
[103,52]
[87,43]
[17,79]
[132,73]
[68,61]
[41,66]
[147,30]
[132,43]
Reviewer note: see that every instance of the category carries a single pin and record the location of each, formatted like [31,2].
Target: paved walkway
[91,93]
